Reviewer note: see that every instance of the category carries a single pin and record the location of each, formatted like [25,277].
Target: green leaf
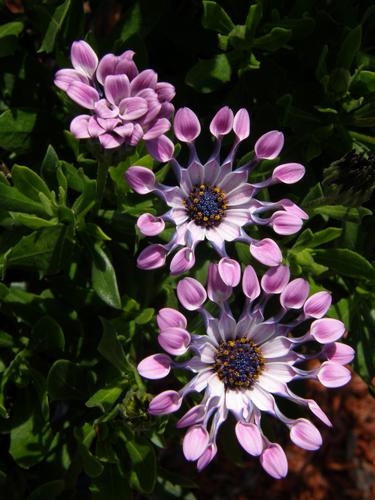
[145,316]
[142,456]
[51,490]
[312,240]
[253,19]
[49,167]
[132,23]
[274,40]
[54,27]
[210,74]
[91,464]
[47,335]
[16,128]
[345,262]
[342,213]
[11,199]
[32,221]
[67,380]
[29,183]
[105,398]
[11,29]
[367,78]
[103,277]
[349,48]
[215,18]
[110,347]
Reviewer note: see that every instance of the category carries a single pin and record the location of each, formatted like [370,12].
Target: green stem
[101,181]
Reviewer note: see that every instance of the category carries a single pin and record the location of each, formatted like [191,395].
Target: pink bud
[192,417]
[217,290]
[155,366]
[250,283]
[222,122]
[207,456]
[269,145]
[191,293]
[332,374]
[83,57]
[288,173]
[250,438]
[267,252]
[295,294]
[241,124]
[339,353]
[292,208]
[195,442]
[160,148]
[285,223]
[174,340]
[275,279]
[186,125]
[318,304]
[149,225]
[152,257]
[327,330]
[305,435]
[230,271]
[182,261]
[168,317]
[274,461]
[164,403]
[140,179]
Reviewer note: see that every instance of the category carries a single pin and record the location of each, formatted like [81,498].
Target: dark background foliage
[76,314]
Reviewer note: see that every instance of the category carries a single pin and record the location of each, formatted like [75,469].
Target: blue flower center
[238,363]
[206,205]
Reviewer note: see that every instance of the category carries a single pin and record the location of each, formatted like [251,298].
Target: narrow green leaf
[54,27]
[103,277]
[215,18]
[349,48]
[105,398]
[142,456]
[345,262]
[253,18]
[13,28]
[342,213]
[273,40]
[29,183]
[32,221]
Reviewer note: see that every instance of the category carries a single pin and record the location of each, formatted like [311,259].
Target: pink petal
[222,122]
[191,293]
[83,94]
[207,456]
[94,128]
[195,442]
[318,412]
[110,141]
[339,353]
[164,403]
[146,79]
[241,124]
[155,366]
[79,127]
[64,77]
[292,208]
[192,417]
[149,225]
[168,317]
[275,348]
[274,461]
[230,271]
[267,252]
[269,145]
[240,195]
[104,110]
[288,173]
[332,374]
[186,125]
[295,294]
[125,131]
[275,279]
[152,257]
[107,66]
[227,231]
[166,110]
[165,91]
[250,283]
[174,340]
[83,57]
[132,108]
[136,135]
[285,223]
[182,261]
[305,435]
[161,148]
[250,438]
[141,179]
[318,304]
[159,127]
[327,330]
[217,290]
[116,88]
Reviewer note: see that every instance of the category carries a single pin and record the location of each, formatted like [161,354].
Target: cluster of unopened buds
[238,364]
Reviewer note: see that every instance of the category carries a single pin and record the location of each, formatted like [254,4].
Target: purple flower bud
[191,293]
[217,290]
[288,173]
[192,417]
[295,294]
[152,257]
[274,461]
[250,438]
[269,145]
[222,122]
[275,279]
[155,366]
[318,304]
[305,435]
[182,261]
[250,283]
[174,340]
[161,148]
[241,124]
[168,317]
[79,127]
[164,403]
[327,330]
[141,179]
[83,58]
[339,353]
[230,271]
[149,225]
[285,223]
[207,456]
[267,252]
[195,442]
[332,374]
[186,125]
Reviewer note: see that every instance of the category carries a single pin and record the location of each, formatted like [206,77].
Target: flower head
[240,365]
[212,200]
[125,105]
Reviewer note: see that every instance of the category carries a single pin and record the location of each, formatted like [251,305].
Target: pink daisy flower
[125,105]
[240,365]
[212,201]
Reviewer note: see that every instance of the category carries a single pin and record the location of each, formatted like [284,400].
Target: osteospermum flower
[125,105]
[239,366]
[212,201]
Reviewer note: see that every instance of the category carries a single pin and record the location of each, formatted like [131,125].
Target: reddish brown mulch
[344,468]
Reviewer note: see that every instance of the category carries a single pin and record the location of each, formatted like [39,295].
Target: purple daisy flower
[212,201]
[125,105]
[240,365]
